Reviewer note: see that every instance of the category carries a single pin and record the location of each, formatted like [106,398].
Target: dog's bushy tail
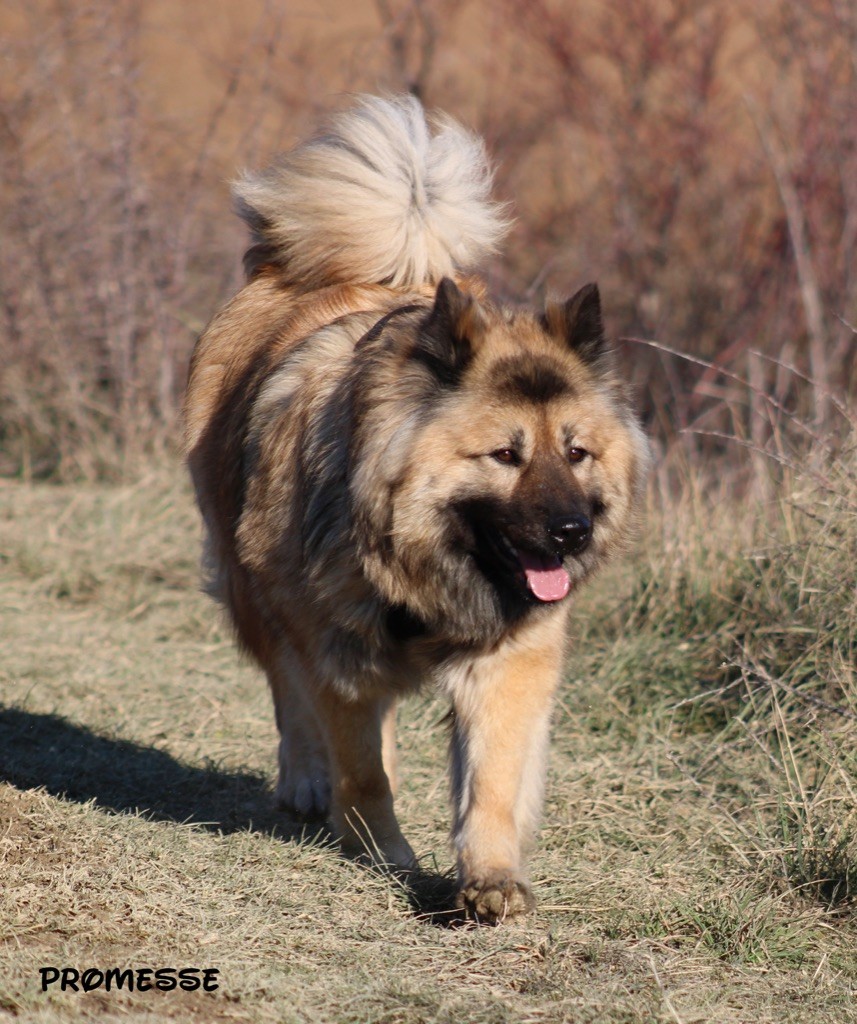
[380,197]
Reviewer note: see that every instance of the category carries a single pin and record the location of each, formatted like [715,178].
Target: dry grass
[696,861]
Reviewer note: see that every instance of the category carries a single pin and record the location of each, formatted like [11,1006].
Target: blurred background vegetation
[698,159]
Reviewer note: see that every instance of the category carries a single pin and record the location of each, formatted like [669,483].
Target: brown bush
[706,167]
[699,159]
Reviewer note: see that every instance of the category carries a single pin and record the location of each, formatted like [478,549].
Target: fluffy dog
[402,482]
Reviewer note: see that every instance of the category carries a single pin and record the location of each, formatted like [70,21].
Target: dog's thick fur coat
[402,482]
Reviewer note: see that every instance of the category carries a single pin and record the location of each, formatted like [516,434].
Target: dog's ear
[578,323]
[451,332]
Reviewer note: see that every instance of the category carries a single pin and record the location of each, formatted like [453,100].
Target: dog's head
[500,462]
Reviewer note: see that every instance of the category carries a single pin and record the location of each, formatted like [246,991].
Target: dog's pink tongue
[547,580]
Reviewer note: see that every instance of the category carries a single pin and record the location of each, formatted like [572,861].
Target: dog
[403,482]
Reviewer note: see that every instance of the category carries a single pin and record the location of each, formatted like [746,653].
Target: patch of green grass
[742,926]
[819,857]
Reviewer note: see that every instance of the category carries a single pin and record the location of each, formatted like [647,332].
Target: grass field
[698,858]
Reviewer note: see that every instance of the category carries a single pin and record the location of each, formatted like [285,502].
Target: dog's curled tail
[378,198]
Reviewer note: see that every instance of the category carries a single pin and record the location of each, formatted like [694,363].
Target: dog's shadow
[119,776]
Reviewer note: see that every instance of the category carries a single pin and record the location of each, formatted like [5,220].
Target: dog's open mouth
[546,579]
[544,576]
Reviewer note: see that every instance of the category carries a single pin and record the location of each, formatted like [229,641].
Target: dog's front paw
[494,898]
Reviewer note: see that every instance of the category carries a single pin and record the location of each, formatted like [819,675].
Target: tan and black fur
[402,481]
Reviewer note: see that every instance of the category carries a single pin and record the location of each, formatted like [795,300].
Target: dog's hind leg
[304,778]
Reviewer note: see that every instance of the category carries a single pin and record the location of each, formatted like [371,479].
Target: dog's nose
[571,534]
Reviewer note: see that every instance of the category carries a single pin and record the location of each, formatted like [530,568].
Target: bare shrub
[704,165]
[106,271]
[699,160]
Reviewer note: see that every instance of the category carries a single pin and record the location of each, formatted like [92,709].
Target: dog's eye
[577,454]
[508,456]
